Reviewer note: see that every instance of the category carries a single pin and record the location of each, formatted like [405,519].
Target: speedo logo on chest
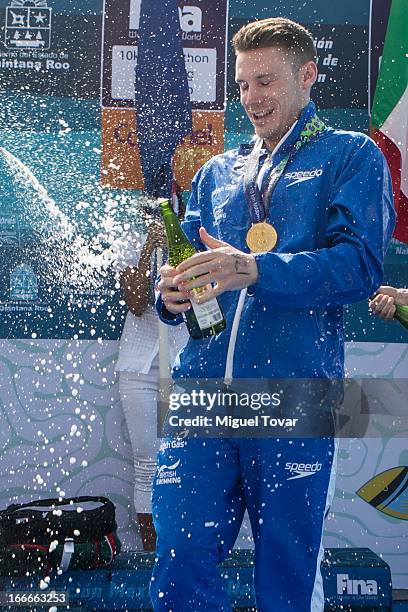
[302,175]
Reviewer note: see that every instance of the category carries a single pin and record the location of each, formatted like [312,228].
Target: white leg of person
[138,394]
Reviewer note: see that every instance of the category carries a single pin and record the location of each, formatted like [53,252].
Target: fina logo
[347,586]
[191,18]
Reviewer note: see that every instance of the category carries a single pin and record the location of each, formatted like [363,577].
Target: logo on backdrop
[28,25]
[387,492]
[348,586]
[191,18]
[9,230]
[23,283]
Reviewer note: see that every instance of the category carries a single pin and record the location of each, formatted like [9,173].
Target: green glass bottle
[202,320]
[401,314]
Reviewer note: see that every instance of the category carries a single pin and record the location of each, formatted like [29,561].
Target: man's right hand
[383,305]
[174,300]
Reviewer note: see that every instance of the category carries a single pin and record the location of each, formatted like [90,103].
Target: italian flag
[389,118]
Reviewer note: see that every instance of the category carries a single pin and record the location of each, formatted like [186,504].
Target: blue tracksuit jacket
[333,212]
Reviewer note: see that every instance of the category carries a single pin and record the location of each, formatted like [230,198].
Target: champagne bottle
[202,320]
[401,314]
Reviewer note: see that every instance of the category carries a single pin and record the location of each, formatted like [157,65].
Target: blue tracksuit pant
[200,493]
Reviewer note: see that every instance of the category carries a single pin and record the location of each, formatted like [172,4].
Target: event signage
[203,27]
[356,577]
[28,27]
[47,51]
[341,62]
[204,30]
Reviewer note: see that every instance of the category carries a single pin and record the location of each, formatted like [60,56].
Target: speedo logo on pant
[301,470]
[303,175]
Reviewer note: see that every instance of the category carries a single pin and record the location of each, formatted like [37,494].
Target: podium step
[354,580]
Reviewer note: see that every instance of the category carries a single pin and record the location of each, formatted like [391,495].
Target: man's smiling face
[272,90]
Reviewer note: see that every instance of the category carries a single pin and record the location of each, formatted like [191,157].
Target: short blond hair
[276,32]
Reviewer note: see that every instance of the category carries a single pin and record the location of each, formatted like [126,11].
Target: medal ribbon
[257,200]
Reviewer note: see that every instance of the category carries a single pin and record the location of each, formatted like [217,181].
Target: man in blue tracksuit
[326,194]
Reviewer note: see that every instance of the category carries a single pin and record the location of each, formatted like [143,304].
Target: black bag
[50,534]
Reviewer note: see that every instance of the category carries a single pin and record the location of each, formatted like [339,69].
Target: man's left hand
[225,266]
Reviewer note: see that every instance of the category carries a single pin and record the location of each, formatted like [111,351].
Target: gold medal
[261,237]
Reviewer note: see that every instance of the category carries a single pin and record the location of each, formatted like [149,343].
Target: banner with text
[204,32]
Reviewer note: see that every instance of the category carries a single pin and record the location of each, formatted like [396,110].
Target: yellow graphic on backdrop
[120,153]
[388,492]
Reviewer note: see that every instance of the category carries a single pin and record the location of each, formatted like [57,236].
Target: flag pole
[164,351]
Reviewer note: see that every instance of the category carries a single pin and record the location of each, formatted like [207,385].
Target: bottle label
[208,314]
